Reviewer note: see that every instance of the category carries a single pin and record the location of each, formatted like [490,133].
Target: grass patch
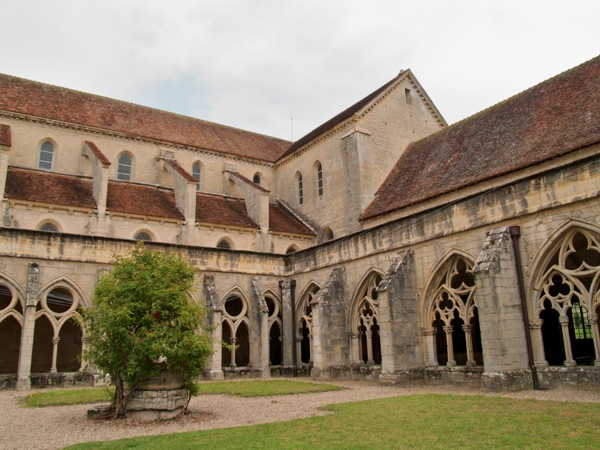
[419,421]
[260,388]
[68,397]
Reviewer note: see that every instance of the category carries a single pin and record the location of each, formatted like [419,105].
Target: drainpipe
[515,233]
[294,346]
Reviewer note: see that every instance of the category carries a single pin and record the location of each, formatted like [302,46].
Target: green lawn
[259,388]
[68,397]
[418,421]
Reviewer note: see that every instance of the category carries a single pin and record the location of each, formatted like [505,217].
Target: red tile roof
[151,201]
[341,117]
[51,102]
[247,181]
[281,221]
[5,137]
[96,151]
[128,198]
[180,170]
[553,118]
[46,187]
[226,211]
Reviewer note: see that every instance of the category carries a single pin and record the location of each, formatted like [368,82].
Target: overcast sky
[255,64]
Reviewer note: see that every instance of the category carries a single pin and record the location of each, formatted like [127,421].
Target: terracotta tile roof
[281,221]
[47,187]
[226,211]
[96,151]
[51,102]
[341,117]
[151,201]
[553,118]
[246,180]
[180,170]
[5,137]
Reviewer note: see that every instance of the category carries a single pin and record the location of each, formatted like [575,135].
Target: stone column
[26,351]
[469,340]
[539,357]
[233,365]
[399,316]
[265,347]
[288,328]
[498,301]
[596,336]
[564,323]
[369,335]
[85,343]
[429,337]
[328,330]
[55,341]
[214,370]
[450,345]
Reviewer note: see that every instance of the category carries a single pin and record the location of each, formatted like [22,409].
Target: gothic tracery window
[304,326]
[235,332]
[569,301]
[367,323]
[454,316]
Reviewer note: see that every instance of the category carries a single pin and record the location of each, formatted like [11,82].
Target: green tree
[143,321]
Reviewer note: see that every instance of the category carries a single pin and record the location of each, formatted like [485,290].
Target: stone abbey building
[383,245]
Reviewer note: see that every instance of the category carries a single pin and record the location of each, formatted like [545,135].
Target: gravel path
[59,426]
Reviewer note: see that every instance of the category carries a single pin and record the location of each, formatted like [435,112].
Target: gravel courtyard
[59,426]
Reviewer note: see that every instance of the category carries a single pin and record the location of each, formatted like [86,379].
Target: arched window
[196,174]
[143,236]
[291,249]
[454,316]
[235,332]
[300,188]
[328,235]
[224,244]
[256,178]
[366,343]
[568,297]
[304,326]
[49,227]
[319,173]
[275,335]
[46,158]
[11,318]
[124,167]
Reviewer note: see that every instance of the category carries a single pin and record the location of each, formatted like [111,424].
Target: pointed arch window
[365,335]
[300,188]
[224,244]
[568,297]
[454,316]
[124,167]
[256,178]
[319,179]
[235,331]
[46,158]
[196,173]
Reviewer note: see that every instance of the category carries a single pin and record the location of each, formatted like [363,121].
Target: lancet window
[304,326]
[365,335]
[235,332]
[454,316]
[569,301]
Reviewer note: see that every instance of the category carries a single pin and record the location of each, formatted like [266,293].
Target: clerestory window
[46,158]
[124,168]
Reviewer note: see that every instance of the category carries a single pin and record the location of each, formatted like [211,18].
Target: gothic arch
[303,323]
[451,318]
[364,320]
[235,329]
[65,282]
[565,295]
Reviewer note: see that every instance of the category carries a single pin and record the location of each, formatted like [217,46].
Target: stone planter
[161,398]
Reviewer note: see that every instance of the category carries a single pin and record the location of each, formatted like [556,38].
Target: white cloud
[255,64]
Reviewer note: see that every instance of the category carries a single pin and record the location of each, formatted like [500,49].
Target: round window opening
[234,306]
[59,300]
